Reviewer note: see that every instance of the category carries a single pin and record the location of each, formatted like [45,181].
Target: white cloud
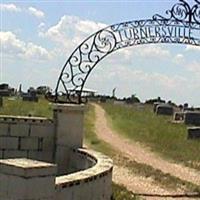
[41,26]
[152,51]
[14,47]
[9,8]
[35,51]
[194,67]
[13,8]
[179,58]
[144,84]
[192,48]
[70,31]
[127,74]
[36,12]
[10,44]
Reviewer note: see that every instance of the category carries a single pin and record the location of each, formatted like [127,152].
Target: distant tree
[132,99]
[180,106]
[42,90]
[152,101]
[171,103]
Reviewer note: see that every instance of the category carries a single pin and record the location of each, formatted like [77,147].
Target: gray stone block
[43,130]
[7,142]
[29,143]
[3,129]
[15,154]
[19,129]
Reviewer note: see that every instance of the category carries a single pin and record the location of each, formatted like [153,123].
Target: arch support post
[69,132]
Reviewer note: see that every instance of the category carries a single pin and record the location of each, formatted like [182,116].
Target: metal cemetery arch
[182,26]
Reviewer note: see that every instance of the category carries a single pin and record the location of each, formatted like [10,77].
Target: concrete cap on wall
[103,166]
[29,119]
[69,107]
[27,168]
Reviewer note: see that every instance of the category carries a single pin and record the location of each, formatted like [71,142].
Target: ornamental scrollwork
[182,11]
[182,26]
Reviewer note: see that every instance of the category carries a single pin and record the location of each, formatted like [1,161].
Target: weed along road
[143,155]
[139,184]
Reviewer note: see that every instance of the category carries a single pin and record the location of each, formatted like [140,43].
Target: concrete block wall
[94,183]
[24,179]
[42,138]
[28,137]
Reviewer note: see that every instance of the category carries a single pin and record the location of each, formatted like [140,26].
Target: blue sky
[38,36]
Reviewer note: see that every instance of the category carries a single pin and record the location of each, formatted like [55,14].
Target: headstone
[193,132]
[31,95]
[192,117]
[155,106]
[164,109]
[178,116]
[1,101]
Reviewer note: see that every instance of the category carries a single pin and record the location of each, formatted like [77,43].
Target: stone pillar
[69,132]
[24,179]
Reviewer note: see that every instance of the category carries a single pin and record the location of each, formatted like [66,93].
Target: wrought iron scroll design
[183,20]
[182,11]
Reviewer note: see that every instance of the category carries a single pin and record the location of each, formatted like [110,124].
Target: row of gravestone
[189,117]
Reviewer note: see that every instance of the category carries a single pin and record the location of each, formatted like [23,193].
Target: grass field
[12,106]
[170,140]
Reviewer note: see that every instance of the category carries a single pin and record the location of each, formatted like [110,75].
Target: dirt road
[140,154]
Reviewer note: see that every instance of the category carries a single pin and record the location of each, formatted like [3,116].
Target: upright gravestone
[1,101]
[164,109]
[193,132]
[192,117]
[155,106]
[178,116]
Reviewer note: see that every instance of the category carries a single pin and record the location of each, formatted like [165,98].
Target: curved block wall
[23,179]
[94,183]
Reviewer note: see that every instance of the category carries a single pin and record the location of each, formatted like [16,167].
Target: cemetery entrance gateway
[181,26]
